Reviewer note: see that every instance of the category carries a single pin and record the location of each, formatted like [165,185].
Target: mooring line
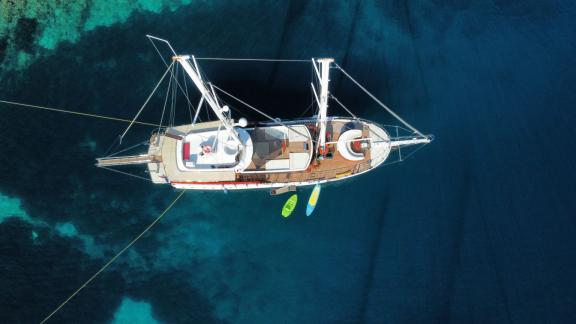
[74,112]
[114,258]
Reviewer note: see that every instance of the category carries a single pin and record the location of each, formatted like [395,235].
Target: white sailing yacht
[233,154]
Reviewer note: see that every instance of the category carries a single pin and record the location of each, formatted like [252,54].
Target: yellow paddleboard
[313,200]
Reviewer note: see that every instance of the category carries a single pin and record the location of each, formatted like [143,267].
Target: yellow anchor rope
[74,112]
[114,258]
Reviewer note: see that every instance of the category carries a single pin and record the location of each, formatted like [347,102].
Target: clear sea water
[478,227]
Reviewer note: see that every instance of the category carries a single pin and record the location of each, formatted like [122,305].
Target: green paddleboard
[290,205]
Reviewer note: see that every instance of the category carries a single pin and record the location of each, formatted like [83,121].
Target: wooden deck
[333,165]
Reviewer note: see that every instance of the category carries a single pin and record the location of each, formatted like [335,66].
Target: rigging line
[189,104]
[396,126]
[311,94]
[126,149]
[174,95]
[125,173]
[171,112]
[164,106]
[341,104]
[171,116]
[232,108]
[277,120]
[248,59]
[111,146]
[115,257]
[306,110]
[207,109]
[158,51]
[146,102]
[380,103]
[166,64]
[203,77]
[413,152]
[399,148]
[74,112]
[171,92]
[405,157]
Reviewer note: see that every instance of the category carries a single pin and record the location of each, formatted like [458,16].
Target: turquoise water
[477,227]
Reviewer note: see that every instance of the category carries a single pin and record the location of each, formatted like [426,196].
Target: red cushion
[186,152]
[357,146]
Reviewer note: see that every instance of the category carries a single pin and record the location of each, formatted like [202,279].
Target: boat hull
[327,169]
[237,185]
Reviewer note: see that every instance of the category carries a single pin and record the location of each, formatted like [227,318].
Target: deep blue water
[477,227]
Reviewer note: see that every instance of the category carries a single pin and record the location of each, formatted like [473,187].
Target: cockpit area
[214,150]
[280,149]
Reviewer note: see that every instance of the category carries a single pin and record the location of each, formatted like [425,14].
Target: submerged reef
[31,29]
[131,311]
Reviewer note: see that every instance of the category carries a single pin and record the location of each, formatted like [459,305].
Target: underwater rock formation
[30,29]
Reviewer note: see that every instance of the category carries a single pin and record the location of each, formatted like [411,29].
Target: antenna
[209,95]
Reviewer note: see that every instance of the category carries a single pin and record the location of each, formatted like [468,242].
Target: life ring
[348,145]
[356,146]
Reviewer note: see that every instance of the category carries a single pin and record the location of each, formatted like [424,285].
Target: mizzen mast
[208,94]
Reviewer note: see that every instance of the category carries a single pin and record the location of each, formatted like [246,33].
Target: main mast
[323,77]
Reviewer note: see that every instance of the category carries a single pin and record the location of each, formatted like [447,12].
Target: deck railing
[311,174]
